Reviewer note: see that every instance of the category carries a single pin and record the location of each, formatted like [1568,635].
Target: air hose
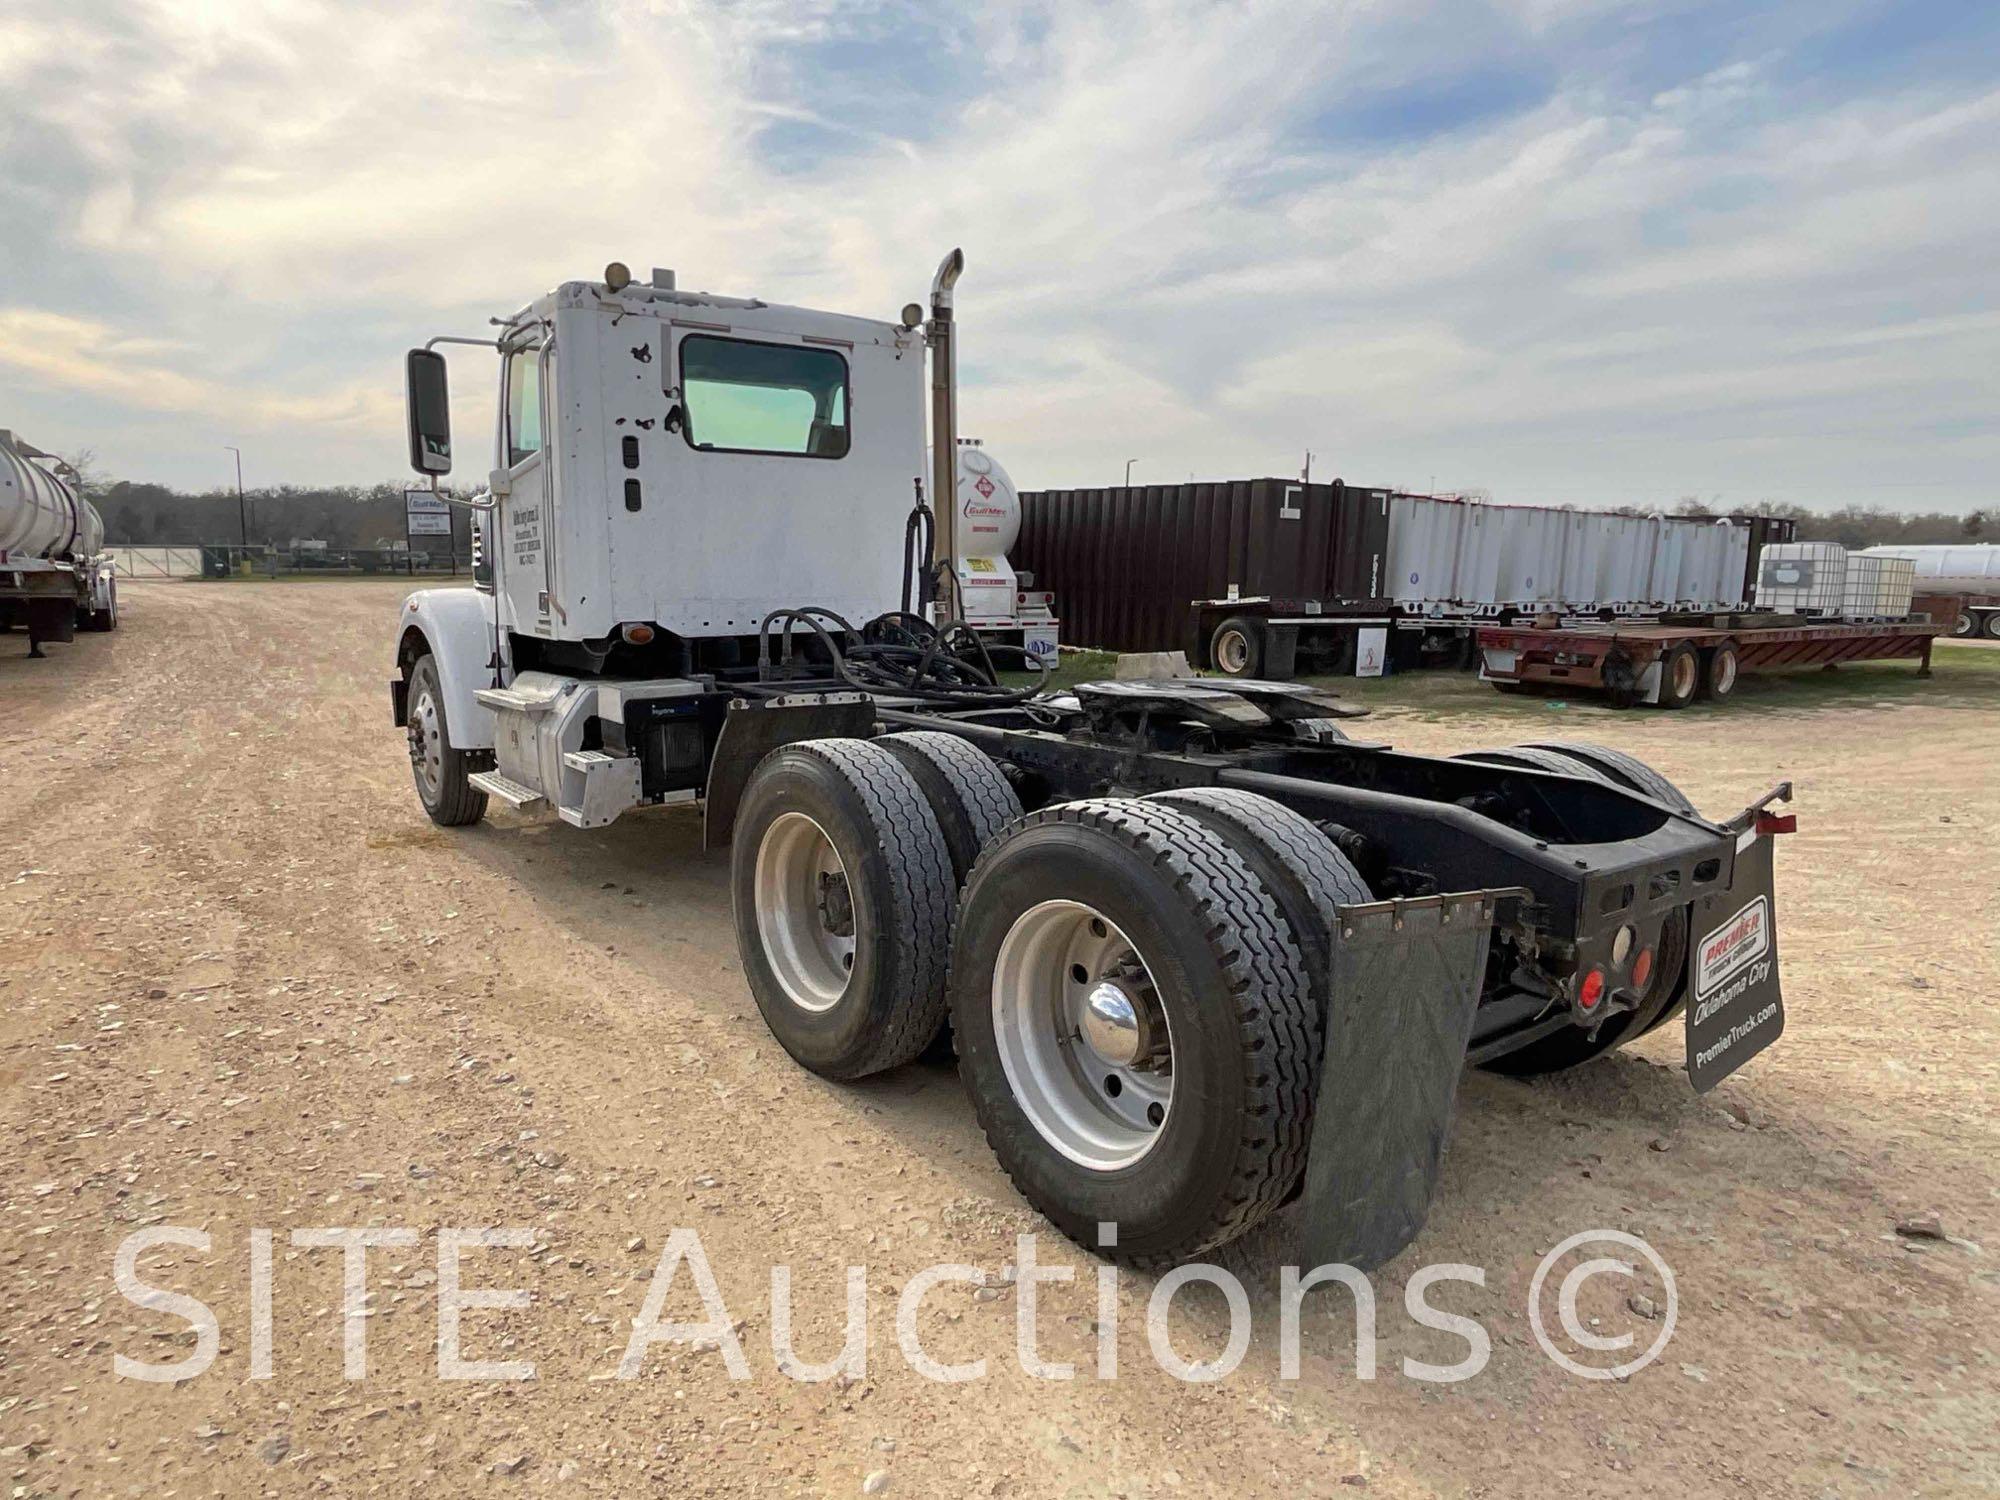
[902,654]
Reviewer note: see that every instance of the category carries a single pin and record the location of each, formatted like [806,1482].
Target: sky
[1560,251]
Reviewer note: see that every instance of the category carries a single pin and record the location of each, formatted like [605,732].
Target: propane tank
[989,521]
[42,515]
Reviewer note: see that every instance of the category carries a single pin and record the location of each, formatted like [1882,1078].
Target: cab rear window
[739,396]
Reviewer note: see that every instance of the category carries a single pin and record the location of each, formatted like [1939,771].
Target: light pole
[242,515]
[1128,471]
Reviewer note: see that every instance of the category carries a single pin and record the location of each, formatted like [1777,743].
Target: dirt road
[245,985]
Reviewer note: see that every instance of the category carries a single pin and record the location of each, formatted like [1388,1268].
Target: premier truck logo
[1733,947]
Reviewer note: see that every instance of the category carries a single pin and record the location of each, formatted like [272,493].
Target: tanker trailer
[54,578]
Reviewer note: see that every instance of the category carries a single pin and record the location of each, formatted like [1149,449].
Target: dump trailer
[55,578]
[1202,950]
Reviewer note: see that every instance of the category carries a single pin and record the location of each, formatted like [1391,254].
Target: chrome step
[506,788]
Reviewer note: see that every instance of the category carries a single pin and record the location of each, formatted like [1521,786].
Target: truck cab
[665,464]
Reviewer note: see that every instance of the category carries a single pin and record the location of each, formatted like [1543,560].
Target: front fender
[455,628]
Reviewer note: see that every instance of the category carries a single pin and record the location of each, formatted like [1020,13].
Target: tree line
[356,516]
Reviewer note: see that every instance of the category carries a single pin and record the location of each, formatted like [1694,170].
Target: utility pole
[1128,471]
[242,515]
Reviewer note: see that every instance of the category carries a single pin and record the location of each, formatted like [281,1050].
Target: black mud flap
[1734,1009]
[754,728]
[1406,980]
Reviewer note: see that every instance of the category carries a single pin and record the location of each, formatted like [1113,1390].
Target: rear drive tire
[1091,915]
[1623,769]
[1667,993]
[1294,859]
[841,885]
[971,800]
[1719,670]
[1680,677]
[1237,647]
[440,770]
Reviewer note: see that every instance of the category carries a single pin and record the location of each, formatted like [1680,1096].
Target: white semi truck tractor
[1201,952]
[54,578]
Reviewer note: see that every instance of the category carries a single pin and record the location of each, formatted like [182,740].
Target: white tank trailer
[54,576]
[1968,571]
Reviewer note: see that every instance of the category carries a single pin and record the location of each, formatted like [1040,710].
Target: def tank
[40,514]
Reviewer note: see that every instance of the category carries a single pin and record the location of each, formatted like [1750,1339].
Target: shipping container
[1126,564]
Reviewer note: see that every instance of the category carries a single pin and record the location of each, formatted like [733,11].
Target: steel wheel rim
[800,886]
[1051,962]
[1685,669]
[1963,625]
[427,745]
[1725,671]
[1232,652]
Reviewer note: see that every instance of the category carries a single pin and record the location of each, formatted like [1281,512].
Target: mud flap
[753,729]
[1406,980]
[1734,1009]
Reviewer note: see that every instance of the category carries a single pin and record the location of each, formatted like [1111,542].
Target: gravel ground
[247,986]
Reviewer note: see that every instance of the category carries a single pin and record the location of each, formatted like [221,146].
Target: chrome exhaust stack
[944,433]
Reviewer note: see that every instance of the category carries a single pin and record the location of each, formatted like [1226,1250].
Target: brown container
[1125,564]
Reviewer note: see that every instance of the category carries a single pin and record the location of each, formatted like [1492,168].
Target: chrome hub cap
[1082,1035]
[805,912]
[426,746]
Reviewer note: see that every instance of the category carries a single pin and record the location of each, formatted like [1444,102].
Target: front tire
[441,771]
[1136,1027]
[842,889]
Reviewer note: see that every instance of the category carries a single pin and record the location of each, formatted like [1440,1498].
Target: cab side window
[524,405]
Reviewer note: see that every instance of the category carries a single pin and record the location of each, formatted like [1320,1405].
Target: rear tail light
[1591,990]
[1642,968]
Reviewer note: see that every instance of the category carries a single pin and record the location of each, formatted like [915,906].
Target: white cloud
[242,213]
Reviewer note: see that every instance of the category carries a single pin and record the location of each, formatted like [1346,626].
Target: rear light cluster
[1590,993]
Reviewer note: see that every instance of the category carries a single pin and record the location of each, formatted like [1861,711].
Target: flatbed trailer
[1670,661]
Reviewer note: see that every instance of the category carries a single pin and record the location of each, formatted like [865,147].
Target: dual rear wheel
[1137,987]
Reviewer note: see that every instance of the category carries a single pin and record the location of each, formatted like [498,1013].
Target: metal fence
[229,560]
[155,562]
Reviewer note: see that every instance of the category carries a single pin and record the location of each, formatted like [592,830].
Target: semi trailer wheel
[1680,676]
[1993,626]
[1135,1025]
[970,798]
[1237,647]
[1719,671]
[440,771]
[841,884]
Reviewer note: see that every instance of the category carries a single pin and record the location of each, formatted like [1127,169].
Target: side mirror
[430,412]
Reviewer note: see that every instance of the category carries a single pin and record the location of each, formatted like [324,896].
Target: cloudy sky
[1563,250]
